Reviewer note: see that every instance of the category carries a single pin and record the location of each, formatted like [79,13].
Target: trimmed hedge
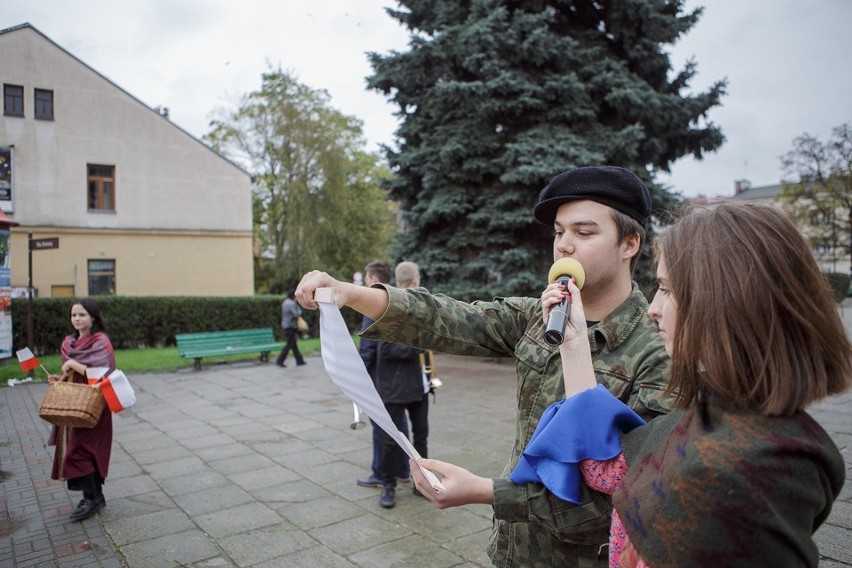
[148,321]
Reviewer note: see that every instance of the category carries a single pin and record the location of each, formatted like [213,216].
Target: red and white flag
[27,360]
[117,391]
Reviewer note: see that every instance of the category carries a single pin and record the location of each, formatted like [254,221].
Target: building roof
[27,25]
[762,192]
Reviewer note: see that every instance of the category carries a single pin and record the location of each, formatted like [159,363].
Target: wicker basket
[71,404]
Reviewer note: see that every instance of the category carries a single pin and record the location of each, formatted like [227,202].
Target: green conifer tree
[495,97]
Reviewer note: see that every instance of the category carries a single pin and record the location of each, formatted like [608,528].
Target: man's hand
[462,487]
[317,279]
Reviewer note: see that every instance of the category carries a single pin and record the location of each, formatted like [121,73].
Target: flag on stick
[27,360]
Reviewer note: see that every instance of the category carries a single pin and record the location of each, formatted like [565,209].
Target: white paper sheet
[346,369]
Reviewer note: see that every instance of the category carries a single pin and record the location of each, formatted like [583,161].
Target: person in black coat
[399,382]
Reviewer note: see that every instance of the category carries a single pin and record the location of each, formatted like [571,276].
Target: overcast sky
[786,61]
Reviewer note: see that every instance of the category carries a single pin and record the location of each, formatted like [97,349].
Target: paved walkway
[251,465]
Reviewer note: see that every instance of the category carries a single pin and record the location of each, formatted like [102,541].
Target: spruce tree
[496,97]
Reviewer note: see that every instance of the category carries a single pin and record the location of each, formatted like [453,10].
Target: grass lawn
[136,361]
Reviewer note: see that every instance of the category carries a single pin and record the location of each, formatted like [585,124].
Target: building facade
[138,205]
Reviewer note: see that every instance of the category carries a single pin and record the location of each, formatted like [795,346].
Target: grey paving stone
[208,501]
[268,544]
[150,526]
[182,549]
[319,512]
[358,534]
[239,519]
[409,551]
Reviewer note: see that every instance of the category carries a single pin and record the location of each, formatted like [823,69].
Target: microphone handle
[555,332]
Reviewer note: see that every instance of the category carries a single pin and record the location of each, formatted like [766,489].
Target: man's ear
[630,246]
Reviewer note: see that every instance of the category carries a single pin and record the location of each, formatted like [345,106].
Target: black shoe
[280,364]
[387,500]
[88,507]
[406,479]
[370,481]
[302,363]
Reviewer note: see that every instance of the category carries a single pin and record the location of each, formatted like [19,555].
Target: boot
[387,500]
[93,498]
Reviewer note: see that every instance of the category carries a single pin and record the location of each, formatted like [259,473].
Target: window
[101,277]
[13,100]
[43,104]
[101,187]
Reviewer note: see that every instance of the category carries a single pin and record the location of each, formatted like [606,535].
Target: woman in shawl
[82,454]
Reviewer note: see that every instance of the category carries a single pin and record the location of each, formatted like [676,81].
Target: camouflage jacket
[532,528]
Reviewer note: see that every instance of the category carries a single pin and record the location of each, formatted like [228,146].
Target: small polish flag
[27,360]
[117,391]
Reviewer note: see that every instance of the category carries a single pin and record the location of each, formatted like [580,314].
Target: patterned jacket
[533,528]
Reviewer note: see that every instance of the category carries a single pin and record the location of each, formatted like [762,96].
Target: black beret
[610,185]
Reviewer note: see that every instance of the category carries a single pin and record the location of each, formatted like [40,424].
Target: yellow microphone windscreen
[568,267]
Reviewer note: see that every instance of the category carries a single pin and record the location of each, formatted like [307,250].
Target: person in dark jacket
[290,312]
[399,381]
[374,273]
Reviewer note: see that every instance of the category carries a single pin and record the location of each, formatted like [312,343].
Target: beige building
[139,206]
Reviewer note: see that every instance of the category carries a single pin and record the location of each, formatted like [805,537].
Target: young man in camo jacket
[599,215]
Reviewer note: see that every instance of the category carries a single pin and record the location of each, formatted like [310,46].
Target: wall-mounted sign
[43,244]
[6,178]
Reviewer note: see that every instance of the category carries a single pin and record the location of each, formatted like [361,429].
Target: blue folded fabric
[586,426]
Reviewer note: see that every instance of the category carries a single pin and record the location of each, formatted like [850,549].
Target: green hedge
[146,321]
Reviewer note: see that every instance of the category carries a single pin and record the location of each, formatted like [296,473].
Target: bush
[146,321]
[839,282]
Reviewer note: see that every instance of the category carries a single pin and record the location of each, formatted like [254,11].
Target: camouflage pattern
[532,528]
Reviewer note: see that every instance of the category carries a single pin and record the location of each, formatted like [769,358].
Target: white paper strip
[347,371]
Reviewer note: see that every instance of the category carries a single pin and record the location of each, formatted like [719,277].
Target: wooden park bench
[212,343]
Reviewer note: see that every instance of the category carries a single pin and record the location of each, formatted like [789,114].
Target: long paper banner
[347,371]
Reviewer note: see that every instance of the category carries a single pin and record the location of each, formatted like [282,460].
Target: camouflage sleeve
[440,323]
[532,502]
[646,397]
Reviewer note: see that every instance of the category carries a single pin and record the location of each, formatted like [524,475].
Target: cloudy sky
[786,63]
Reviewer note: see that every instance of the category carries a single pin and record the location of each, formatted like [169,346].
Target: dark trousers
[290,336]
[91,485]
[402,470]
[418,415]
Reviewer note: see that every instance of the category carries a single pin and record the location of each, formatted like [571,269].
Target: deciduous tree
[820,198]
[316,192]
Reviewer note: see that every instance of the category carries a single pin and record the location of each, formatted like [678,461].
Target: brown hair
[626,226]
[756,324]
[380,270]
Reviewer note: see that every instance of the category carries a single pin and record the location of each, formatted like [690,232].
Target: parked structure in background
[140,206]
[830,260]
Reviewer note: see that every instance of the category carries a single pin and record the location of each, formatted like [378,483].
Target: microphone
[562,271]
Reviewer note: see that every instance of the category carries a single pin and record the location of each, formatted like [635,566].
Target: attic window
[13,100]
[43,104]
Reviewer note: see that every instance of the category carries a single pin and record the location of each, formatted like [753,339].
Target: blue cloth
[586,426]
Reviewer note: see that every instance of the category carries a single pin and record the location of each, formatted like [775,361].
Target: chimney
[741,185]
[162,111]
